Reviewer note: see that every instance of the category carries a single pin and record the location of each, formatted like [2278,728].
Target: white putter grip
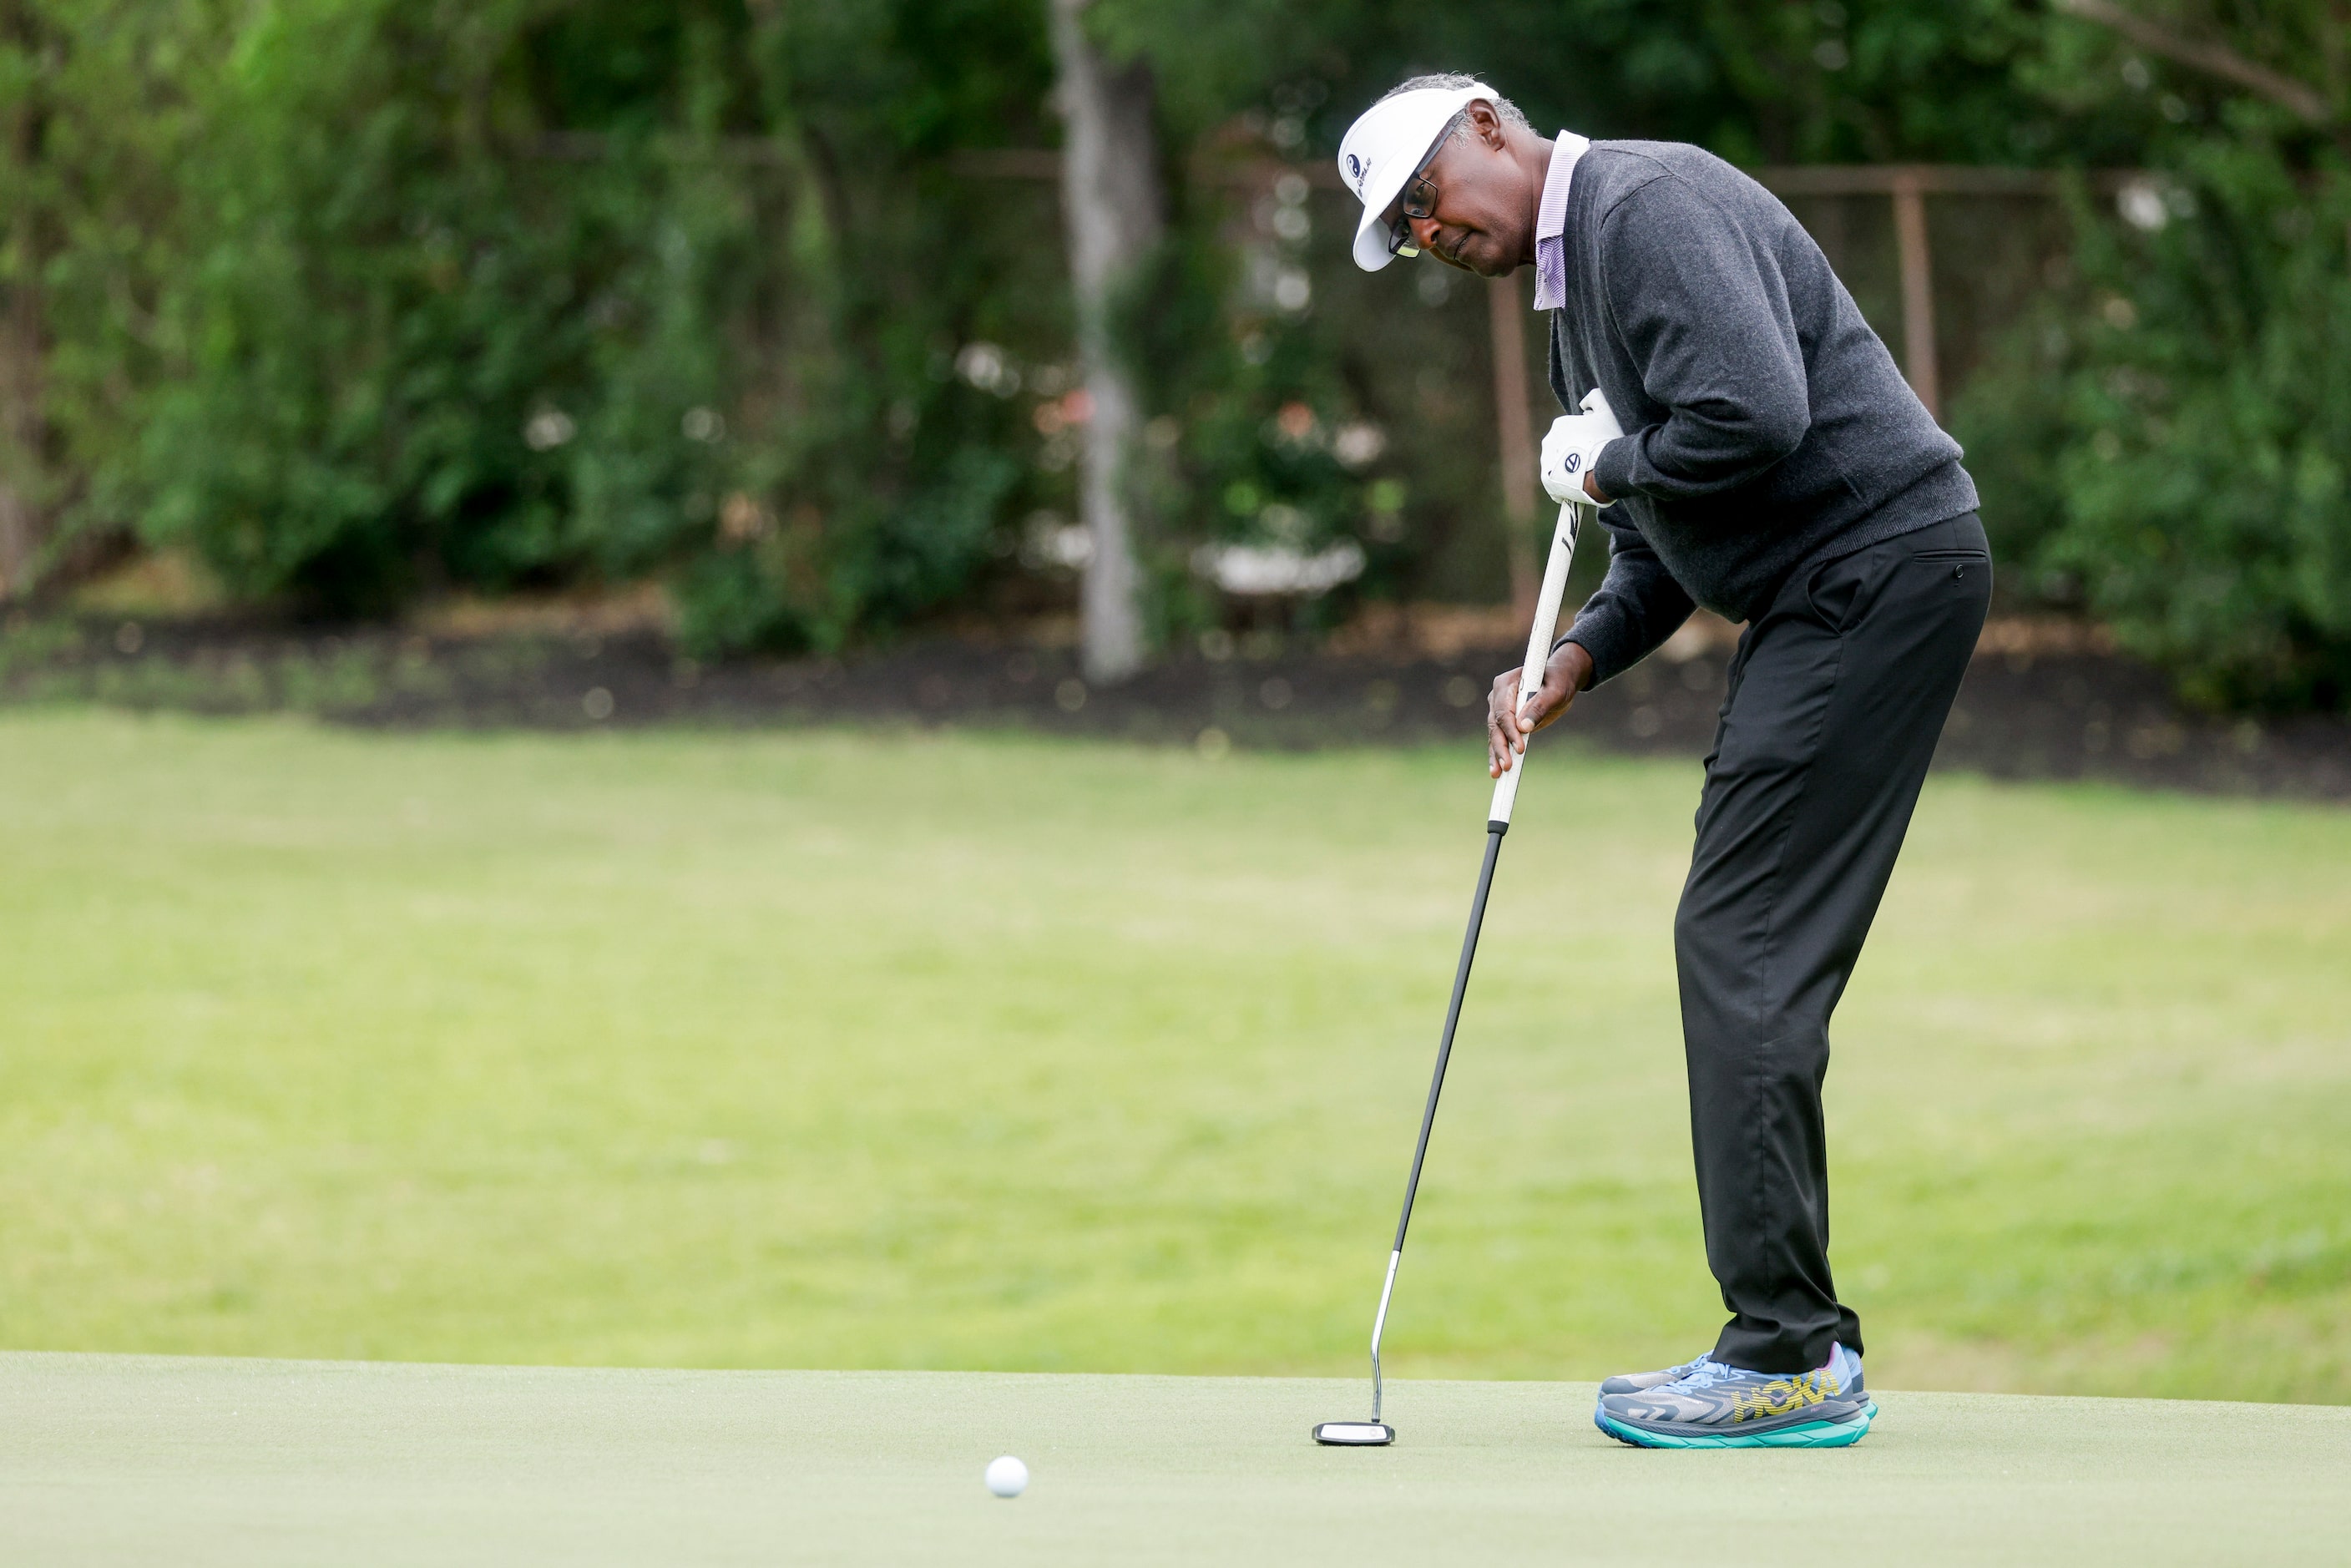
[1546,625]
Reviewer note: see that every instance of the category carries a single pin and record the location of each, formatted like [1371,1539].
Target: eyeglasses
[1419,202]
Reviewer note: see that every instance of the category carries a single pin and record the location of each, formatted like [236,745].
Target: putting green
[136,1459]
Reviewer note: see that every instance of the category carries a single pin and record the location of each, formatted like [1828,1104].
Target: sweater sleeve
[1703,311]
[1638,606]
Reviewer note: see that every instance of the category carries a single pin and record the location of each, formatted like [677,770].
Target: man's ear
[1486,123]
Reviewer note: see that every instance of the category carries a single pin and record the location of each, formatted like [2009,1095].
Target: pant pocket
[1954,567]
[1839,590]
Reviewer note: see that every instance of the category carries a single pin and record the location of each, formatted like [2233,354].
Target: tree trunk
[1110,189]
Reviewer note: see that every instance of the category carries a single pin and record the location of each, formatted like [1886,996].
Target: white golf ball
[1007,1477]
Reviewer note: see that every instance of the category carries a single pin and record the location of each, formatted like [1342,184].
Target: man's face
[1483,216]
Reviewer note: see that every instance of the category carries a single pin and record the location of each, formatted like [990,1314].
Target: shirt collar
[1551,222]
[1550,215]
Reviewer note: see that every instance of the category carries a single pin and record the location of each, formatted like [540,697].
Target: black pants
[1838,693]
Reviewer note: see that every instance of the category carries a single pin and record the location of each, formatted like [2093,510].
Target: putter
[1376,1433]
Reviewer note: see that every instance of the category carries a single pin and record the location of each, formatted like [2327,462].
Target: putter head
[1354,1434]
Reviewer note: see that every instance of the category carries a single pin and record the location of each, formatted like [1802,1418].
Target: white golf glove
[1569,450]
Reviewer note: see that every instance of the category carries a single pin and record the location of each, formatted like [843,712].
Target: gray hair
[1456,81]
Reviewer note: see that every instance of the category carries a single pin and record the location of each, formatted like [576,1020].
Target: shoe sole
[1808,1435]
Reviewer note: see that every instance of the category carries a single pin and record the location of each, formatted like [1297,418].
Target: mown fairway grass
[833,1050]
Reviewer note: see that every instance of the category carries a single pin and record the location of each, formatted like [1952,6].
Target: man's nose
[1424,232]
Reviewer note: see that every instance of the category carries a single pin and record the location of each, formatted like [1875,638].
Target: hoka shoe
[1642,1382]
[1719,1406]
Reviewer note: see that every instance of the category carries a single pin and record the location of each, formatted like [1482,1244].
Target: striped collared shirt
[1550,222]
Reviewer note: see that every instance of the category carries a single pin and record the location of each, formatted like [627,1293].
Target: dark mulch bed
[2069,715]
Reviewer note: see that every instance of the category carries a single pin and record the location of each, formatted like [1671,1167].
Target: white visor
[1384,147]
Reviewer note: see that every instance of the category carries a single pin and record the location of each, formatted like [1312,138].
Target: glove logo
[1574,461]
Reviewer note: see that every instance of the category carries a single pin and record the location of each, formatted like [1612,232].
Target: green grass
[833,1050]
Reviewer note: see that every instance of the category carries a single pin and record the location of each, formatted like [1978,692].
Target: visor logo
[1355,172]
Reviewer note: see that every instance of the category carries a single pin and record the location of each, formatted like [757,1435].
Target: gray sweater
[1767,428]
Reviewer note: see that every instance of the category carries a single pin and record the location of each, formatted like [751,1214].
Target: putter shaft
[1494,832]
[1498,822]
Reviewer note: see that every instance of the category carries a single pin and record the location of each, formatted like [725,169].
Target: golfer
[1776,469]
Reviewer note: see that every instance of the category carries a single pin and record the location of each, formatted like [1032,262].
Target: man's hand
[1566,672]
[1569,450]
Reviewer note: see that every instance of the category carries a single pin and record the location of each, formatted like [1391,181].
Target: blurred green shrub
[507,293]
[515,293]
[2167,442]
[364,297]
[1270,426]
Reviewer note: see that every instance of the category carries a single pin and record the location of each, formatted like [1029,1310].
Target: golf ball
[1007,1477]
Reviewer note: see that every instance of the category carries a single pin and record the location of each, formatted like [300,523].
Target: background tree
[362,300]
[28,47]
[2166,438]
[496,296]
[98,107]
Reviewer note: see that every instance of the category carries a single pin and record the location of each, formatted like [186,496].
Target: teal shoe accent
[1810,1435]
